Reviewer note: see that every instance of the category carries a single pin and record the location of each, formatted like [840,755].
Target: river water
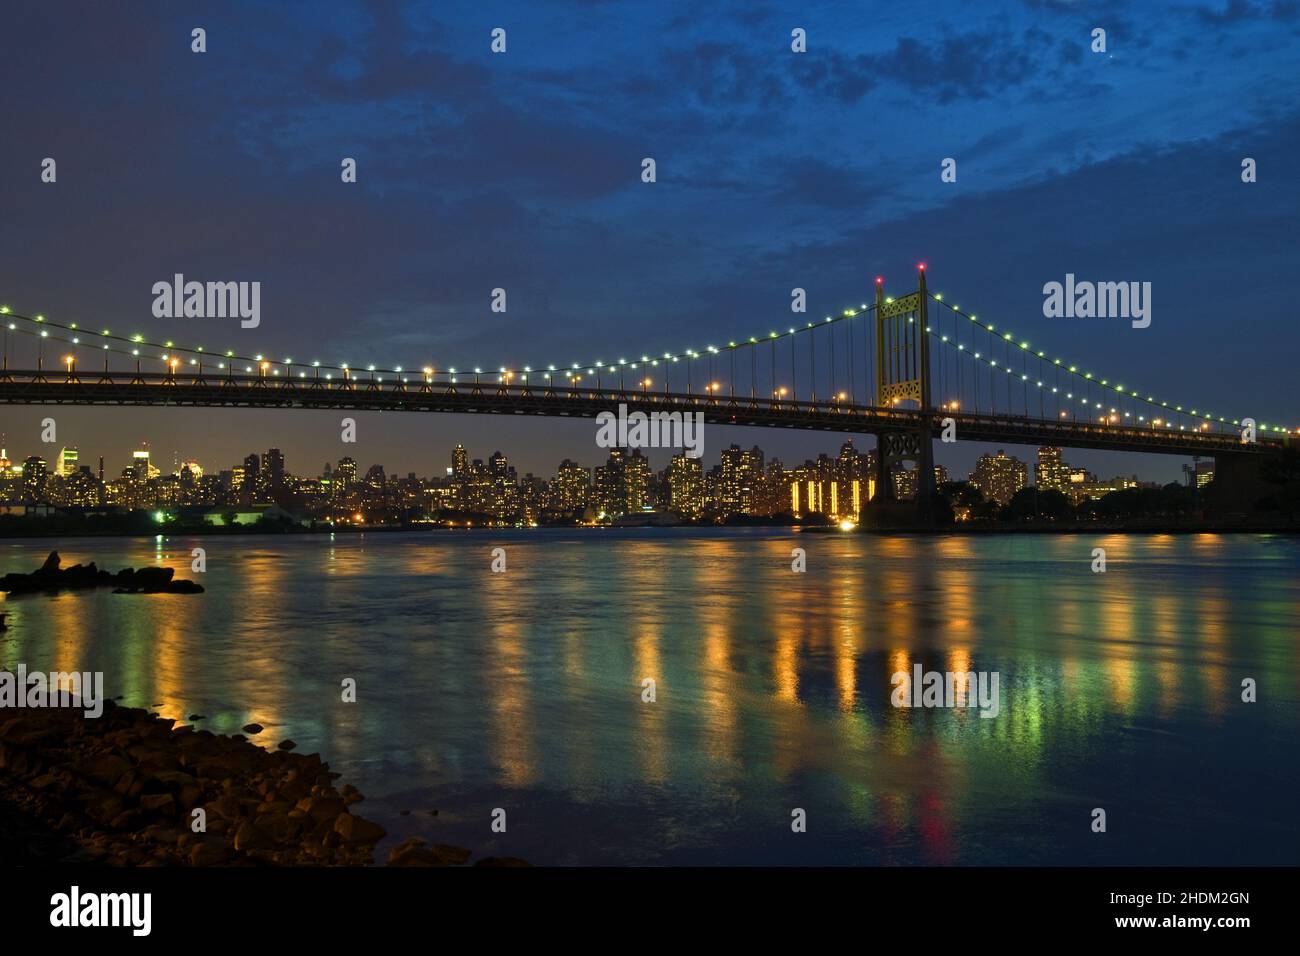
[523,690]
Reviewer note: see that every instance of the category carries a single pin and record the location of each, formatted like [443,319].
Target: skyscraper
[1051,473]
[686,486]
[999,476]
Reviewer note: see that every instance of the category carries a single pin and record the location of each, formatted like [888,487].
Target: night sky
[522,170]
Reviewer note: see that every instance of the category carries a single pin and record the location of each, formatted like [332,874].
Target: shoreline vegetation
[123,790]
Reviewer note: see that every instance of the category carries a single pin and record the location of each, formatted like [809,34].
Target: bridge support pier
[903,375]
[1238,486]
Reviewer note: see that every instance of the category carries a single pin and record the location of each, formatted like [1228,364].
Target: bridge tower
[903,375]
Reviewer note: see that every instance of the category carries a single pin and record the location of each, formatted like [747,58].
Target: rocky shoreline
[123,790]
[49,578]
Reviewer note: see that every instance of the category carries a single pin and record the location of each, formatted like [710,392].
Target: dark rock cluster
[50,577]
[123,789]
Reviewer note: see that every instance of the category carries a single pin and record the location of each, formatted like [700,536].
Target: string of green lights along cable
[1073,370]
[138,341]
[1083,400]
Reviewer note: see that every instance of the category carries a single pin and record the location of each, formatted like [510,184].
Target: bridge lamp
[843,396]
[70,360]
[646,383]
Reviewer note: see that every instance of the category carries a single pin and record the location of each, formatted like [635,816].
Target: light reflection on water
[523,690]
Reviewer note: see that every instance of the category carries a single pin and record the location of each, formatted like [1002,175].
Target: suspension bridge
[905,369]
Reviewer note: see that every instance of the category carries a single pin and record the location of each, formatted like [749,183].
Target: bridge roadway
[363,393]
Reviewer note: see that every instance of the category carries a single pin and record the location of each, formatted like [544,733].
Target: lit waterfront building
[141,467]
[570,490]
[638,482]
[67,462]
[742,474]
[905,481]
[35,474]
[686,486]
[999,476]
[1050,472]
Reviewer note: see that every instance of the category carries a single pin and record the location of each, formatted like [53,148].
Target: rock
[126,820]
[209,854]
[193,717]
[453,855]
[415,852]
[249,836]
[253,728]
[159,804]
[357,830]
[106,769]
[153,579]
[286,745]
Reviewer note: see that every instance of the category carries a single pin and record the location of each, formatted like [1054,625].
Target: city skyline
[741,482]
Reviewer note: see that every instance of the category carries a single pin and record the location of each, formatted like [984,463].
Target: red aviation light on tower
[920,266]
[880,280]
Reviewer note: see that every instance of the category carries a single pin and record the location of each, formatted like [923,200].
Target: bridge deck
[362,394]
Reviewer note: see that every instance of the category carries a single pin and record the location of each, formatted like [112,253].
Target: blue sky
[775,170]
